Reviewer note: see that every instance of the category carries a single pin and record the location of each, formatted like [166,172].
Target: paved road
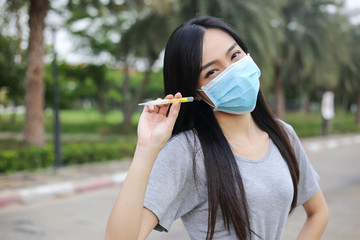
[84,216]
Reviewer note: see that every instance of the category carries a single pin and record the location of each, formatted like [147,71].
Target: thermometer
[167,101]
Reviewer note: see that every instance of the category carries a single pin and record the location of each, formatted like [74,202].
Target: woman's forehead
[215,44]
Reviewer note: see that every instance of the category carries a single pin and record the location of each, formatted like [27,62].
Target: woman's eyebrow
[212,62]
[232,47]
[207,65]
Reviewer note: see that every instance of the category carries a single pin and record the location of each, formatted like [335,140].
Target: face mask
[235,89]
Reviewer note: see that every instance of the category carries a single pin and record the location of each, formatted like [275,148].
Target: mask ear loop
[211,105]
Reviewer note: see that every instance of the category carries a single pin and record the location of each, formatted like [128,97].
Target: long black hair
[182,64]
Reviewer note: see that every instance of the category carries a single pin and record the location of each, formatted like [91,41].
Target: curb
[34,194]
[331,143]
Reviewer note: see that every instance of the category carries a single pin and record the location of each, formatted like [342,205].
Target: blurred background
[74,68]
[73,71]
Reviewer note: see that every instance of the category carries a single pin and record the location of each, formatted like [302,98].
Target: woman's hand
[155,127]
[128,218]
[317,217]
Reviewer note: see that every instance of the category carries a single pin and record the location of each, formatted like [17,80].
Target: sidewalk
[28,187]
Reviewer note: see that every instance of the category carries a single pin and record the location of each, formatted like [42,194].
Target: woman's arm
[317,217]
[128,218]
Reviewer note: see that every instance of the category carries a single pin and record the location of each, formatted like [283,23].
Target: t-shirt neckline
[263,158]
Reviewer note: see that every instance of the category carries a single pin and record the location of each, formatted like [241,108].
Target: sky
[354,5]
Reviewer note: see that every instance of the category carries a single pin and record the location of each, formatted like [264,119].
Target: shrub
[31,158]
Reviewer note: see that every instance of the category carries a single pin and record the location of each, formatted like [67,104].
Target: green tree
[130,33]
[12,64]
[144,33]
[349,84]
[147,49]
[11,72]
[305,55]
[150,33]
[79,83]
[34,84]
[34,98]
[100,36]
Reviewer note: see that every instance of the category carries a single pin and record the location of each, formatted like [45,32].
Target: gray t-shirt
[174,191]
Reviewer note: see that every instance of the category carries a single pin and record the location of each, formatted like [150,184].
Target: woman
[231,170]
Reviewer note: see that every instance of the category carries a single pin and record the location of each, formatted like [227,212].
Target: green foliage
[31,158]
[313,41]
[11,73]
[97,84]
[96,148]
[310,125]
[72,122]
[26,159]
[95,152]
[155,88]
[349,84]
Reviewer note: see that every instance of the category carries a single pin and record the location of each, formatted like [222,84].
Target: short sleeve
[308,182]
[171,191]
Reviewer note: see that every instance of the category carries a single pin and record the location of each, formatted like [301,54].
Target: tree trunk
[357,116]
[13,115]
[279,92]
[305,102]
[34,96]
[126,124]
[102,105]
[140,90]
[19,51]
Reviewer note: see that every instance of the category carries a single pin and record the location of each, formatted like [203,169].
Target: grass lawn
[311,124]
[92,122]
[74,122]
[88,136]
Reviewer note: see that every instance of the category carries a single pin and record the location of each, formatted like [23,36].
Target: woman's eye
[208,74]
[236,54]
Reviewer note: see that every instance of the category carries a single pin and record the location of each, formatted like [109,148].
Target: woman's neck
[240,126]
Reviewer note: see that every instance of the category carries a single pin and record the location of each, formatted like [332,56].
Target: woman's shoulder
[290,131]
[293,137]
[185,140]
[184,145]
[180,155]
[287,127]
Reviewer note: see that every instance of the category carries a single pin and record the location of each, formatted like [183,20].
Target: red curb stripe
[11,198]
[330,144]
[92,185]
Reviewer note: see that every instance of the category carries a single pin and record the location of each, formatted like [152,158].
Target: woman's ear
[198,96]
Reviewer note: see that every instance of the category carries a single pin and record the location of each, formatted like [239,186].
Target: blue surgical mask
[235,89]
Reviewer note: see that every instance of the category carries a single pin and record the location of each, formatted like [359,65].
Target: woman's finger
[169,96]
[174,110]
[165,107]
[178,95]
[157,107]
[152,108]
[149,108]
[173,113]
